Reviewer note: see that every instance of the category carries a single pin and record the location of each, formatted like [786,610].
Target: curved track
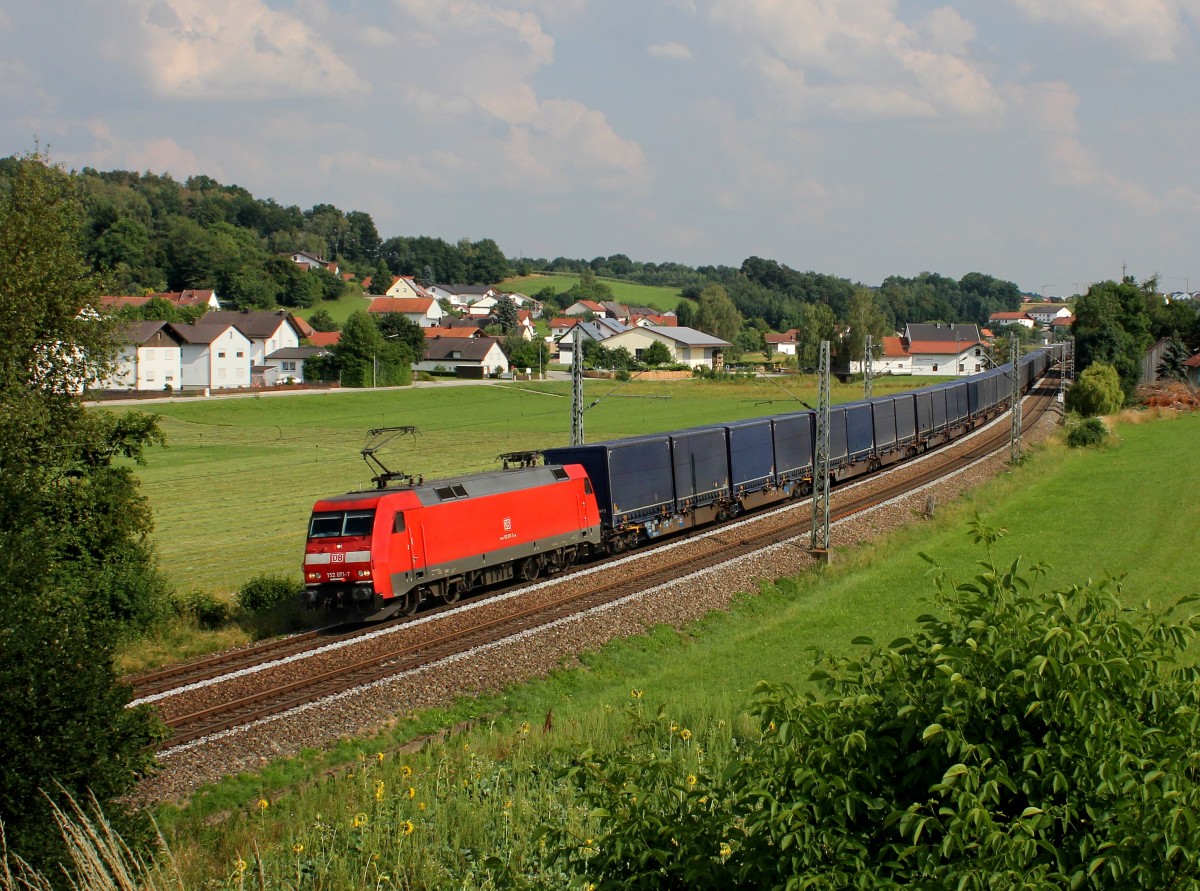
[415,643]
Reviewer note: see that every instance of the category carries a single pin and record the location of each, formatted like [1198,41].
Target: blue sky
[1046,142]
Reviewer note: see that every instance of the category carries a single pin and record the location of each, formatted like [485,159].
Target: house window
[149,375]
[289,366]
[170,377]
[240,354]
[977,351]
[935,366]
[962,366]
[149,355]
[220,354]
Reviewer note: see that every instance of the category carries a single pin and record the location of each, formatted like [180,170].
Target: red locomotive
[386,551]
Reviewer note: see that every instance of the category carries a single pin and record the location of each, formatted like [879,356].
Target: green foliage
[658,353]
[365,358]
[204,608]
[77,568]
[1097,391]
[1085,432]
[1171,368]
[1112,326]
[717,314]
[321,320]
[1017,740]
[264,592]
[506,314]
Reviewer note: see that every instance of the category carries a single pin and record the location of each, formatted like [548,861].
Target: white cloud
[235,49]
[1152,29]
[856,58]
[675,51]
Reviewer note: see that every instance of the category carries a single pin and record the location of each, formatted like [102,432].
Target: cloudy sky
[1047,142]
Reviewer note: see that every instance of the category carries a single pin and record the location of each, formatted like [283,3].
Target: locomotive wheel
[411,601]
[454,592]
[531,568]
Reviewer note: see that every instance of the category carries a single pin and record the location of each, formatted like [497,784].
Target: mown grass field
[233,489]
[364,811]
[623,291]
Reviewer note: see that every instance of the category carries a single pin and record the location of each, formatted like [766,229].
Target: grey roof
[201,332]
[938,331]
[598,329]
[470,349]
[254,324]
[481,290]
[140,332]
[687,336]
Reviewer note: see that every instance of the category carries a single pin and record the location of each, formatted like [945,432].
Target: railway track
[429,640]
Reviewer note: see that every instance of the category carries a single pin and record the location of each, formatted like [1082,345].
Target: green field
[1128,508]
[623,291]
[233,489]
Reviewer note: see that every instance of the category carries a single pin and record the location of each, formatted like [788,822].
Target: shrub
[265,592]
[1087,432]
[204,608]
[1097,392]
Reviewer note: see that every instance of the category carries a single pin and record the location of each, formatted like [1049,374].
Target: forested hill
[155,233]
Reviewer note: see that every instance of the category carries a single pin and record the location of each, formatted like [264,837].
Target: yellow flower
[420,805]
[635,693]
[524,727]
[379,755]
[360,820]
[405,771]
[240,865]
[412,793]
[407,827]
[297,848]
[685,734]
[771,726]
[691,780]
[674,726]
[725,850]
[263,804]
[507,805]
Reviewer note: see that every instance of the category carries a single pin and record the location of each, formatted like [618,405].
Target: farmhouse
[687,345]
[934,348]
[424,311]
[149,358]
[463,355]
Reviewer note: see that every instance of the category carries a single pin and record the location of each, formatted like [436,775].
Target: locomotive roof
[493,482]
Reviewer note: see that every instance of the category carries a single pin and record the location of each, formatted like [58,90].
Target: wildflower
[674,843]
[771,726]
[507,805]
[360,820]
[466,747]
[524,727]
[263,804]
[725,850]
[635,693]
[674,726]
[379,790]
[297,848]
[379,755]
[685,734]
[407,827]
[420,805]
[721,723]
[412,793]
[240,865]
[691,779]
[406,771]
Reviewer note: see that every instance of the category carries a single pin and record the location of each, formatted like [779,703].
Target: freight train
[384,551]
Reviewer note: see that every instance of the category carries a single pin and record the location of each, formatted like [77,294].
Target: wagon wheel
[531,568]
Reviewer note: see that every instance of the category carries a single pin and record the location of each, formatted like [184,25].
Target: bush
[1014,740]
[265,592]
[1097,392]
[204,608]
[1087,432]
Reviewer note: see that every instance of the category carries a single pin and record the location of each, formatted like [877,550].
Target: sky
[1052,143]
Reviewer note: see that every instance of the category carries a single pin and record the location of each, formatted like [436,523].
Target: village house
[286,366]
[424,311]
[188,297]
[1000,319]
[406,286]
[781,344]
[149,358]
[687,345]
[466,357]
[597,330]
[933,348]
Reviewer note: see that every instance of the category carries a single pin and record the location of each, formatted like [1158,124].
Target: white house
[583,307]
[452,353]
[783,344]
[215,355]
[425,311]
[461,296]
[933,349]
[267,331]
[149,358]
[1045,315]
[406,286]
[286,366]
[1000,319]
[687,345]
[312,261]
[597,330]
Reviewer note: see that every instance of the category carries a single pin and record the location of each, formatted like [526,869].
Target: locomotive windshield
[335,523]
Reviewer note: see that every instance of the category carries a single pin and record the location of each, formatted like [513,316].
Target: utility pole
[577,386]
[1014,437]
[868,370]
[820,496]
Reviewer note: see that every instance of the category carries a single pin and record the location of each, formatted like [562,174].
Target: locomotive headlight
[314,576]
[364,573]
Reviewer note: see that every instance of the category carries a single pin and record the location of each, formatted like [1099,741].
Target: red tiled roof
[400,304]
[324,338]
[893,348]
[461,333]
[1193,362]
[997,316]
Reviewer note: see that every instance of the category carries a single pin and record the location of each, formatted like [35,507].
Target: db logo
[508,524]
[337,558]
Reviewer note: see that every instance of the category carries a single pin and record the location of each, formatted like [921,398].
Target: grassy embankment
[363,812]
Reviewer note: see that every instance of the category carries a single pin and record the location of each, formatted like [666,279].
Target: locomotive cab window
[398,523]
[336,523]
